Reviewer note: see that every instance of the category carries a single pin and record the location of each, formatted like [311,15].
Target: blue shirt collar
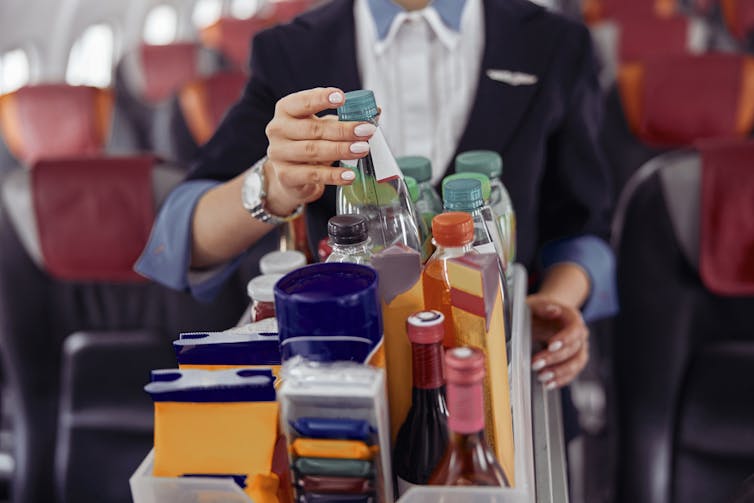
[384,12]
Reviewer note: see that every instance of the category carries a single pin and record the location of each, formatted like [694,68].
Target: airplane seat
[147,80]
[232,36]
[738,16]
[683,343]
[594,11]
[70,232]
[197,111]
[638,37]
[56,120]
[670,102]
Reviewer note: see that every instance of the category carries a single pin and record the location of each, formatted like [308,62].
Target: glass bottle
[349,239]
[453,237]
[423,436]
[378,192]
[490,164]
[420,169]
[261,293]
[281,262]
[467,195]
[469,459]
[424,232]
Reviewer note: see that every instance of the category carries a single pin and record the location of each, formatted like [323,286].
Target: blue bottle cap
[328,302]
[359,106]
[462,194]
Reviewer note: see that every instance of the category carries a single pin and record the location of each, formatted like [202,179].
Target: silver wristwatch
[254,194]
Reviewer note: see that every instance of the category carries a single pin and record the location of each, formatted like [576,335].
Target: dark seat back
[65,267]
[683,350]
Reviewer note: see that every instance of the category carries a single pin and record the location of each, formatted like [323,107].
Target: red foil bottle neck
[427,360]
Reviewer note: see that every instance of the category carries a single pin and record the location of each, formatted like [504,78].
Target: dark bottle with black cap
[349,239]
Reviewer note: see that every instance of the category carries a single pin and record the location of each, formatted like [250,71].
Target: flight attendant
[450,76]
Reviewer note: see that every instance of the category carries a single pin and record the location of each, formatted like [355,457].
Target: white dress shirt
[424,75]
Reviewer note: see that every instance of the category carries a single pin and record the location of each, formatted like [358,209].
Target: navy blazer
[546,133]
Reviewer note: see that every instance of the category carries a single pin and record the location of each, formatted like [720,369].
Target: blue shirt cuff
[596,257]
[167,256]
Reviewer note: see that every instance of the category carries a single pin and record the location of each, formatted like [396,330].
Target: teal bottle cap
[359,106]
[413,188]
[486,186]
[487,162]
[462,194]
[416,166]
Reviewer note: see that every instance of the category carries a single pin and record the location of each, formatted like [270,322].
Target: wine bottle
[468,460]
[423,437]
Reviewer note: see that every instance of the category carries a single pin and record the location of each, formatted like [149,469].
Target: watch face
[252,191]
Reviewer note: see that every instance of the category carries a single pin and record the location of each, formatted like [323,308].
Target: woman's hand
[561,331]
[302,148]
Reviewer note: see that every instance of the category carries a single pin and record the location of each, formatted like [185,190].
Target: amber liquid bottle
[454,237]
[469,460]
[423,437]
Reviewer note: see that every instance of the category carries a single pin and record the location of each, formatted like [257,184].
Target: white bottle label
[385,166]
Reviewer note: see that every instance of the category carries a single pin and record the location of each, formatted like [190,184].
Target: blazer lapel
[509,47]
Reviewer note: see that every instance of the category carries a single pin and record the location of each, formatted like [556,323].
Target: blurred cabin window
[244,9]
[161,25]
[14,70]
[91,60]
[206,12]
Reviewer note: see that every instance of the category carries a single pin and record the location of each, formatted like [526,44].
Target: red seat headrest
[232,37]
[167,67]
[599,10]
[93,216]
[643,37]
[726,260]
[677,100]
[55,120]
[205,101]
[739,17]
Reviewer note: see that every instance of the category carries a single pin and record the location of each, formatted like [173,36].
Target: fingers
[310,102]
[315,151]
[563,373]
[321,129]
[295,177]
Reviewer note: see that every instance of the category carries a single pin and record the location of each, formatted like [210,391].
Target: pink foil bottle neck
[464,372]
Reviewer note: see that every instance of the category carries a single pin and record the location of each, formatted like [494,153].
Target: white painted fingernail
[359,147]
[551,385]
[551,309]
[555,346]
[538,365]
[348,175]
[545,376]
[335,98]
[365,129]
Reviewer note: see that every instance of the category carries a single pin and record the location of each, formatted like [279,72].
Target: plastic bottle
[378,192]
[420,169]
[490,164]
[261,293]
[453,237]
[349,239]
[281,262]
[424,229]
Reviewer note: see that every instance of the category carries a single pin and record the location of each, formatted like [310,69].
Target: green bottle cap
[486,186]
[416,166]
[462,194]
[359,106]
[487,162]
[413,188]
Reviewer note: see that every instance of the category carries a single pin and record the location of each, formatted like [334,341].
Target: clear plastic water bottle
[490,164]
[378,193]
[424,232]
[349,239]
[420,169]
[466,195]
